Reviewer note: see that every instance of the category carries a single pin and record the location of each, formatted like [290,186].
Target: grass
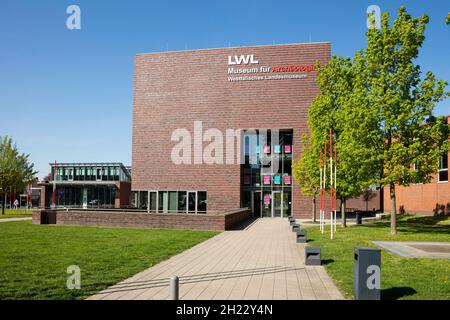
[19,213]
[34,258]
[401,278]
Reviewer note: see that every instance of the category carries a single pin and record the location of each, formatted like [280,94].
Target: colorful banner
[247,179]
[266,179]
[287,179]
[277,149]
[287,148]
[266,199]
[277,179]
[266,149]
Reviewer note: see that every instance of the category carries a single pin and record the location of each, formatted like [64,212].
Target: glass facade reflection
[266,175]
[86,185]
[170,201]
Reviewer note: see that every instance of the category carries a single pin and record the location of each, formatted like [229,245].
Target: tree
[447,19]
[401,103]
[15,170]
[306,172]
[338,82]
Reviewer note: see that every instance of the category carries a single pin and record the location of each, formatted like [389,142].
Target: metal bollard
[367,273]
[358,217]
[174,287]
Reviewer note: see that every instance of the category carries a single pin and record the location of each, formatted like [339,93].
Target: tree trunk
[3,203]
[393,209]
[367,205]
[314,209]
[343,216]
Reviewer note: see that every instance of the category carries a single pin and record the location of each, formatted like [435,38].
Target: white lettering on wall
[242,59]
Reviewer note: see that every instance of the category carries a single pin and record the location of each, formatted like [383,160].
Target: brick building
[428,198]
[260,93]
[86,185]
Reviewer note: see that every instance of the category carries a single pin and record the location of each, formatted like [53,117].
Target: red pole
[320,170]
[331,171]
[54,185]
[335,182]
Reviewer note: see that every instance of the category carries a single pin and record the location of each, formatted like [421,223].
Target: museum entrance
[272,204]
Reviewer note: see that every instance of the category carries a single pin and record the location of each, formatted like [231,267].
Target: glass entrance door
[267,204]
[277,200]
[286,203]
[256,204]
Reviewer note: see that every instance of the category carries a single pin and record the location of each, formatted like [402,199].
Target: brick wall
[143,220]
[419,198]
[375,203]
[174,89]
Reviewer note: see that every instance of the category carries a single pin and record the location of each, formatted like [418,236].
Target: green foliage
[338,82]
[401,103]
[447,19]
[380,107]
[15,170]
[305,170]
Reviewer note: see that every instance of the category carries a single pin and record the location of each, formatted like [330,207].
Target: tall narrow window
[201,201]
[443,168]
[69,174]
[182,201]
[173,201]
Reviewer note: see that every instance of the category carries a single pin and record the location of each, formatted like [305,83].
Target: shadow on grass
[396,293]
[429,221]
[416,225]
[327,261]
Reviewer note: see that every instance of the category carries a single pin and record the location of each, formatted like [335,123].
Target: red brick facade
[420,198]
[220,222]
[174,89]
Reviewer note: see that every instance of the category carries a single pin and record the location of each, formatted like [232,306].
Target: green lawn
[401,278]
[19,213]
[34,258]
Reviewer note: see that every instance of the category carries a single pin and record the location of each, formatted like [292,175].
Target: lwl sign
[242,59]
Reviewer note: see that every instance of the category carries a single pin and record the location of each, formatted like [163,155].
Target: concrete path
[409,249]
[263,261]
[14,219]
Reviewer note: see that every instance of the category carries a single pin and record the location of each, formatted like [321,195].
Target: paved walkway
[409,249]
[263,261]
[14,219]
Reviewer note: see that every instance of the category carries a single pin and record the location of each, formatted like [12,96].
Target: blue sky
[67,95]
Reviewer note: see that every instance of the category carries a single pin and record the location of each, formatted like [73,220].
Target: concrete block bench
[301,236]
[312,256]
[295,227]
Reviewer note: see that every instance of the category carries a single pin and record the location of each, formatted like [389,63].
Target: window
[163,202]
[173,201]
[69,174]
[182,201]
[99,174]
[201,201]
[443,168]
